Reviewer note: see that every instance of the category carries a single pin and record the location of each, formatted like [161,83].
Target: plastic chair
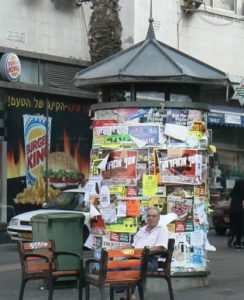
[164,267]
[121,267]
[39,261]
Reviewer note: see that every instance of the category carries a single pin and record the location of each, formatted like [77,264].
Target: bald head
[154,210]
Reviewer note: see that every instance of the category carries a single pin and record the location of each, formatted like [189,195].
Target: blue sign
[216,118]
[225,119]
[147,133]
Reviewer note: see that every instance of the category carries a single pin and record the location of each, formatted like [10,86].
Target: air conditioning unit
[190,5]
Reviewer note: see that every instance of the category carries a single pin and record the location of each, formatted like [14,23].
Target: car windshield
[68,201]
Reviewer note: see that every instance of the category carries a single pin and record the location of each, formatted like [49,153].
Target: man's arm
[157,249]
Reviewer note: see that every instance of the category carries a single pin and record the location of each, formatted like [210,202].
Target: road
[226,278]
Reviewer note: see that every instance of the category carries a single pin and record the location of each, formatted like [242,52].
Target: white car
[73,201]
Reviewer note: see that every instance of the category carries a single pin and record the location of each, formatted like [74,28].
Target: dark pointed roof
[150,61]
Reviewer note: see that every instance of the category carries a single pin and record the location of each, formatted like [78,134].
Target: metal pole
[47,147]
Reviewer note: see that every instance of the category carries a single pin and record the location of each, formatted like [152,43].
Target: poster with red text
[181,166]
[121,168]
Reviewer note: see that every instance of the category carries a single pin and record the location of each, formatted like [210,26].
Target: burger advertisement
[48,147]
[63,170]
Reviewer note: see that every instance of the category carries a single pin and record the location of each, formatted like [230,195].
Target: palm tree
[104,29]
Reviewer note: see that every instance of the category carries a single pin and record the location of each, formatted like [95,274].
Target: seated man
[155,236]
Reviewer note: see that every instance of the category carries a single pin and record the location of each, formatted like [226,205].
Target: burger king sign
[10,67]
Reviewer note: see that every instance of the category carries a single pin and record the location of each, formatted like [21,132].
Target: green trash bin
[66,229]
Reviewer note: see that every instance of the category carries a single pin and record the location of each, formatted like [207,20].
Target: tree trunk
[104,29]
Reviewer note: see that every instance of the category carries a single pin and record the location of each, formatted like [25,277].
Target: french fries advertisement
[36,193]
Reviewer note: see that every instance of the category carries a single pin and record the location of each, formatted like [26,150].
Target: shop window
[150,96]
[31,71]
[160,96]
[228,5]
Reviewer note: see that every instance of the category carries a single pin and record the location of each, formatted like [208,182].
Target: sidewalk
[226,278]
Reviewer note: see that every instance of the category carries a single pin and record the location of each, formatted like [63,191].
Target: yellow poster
[126,225]
[149,185]
[119,190]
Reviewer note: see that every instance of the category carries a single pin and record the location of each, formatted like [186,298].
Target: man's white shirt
[158,236]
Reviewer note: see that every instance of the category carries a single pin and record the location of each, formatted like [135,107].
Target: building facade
[50,37]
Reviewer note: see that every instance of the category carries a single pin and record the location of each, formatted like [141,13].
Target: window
[228,5]
[31,71]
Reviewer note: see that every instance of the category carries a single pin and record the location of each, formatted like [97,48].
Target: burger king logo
[36,142]
[10,67]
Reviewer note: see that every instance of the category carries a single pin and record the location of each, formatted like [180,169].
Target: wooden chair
[164,266]
[39,261]
[121,267]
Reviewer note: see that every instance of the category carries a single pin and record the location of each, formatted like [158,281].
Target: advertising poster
[186,128]
[142,164]
[149,134]
[149,185]
[57,137]
[189,252]
[133,208]
[132,115]
[184,211]
[159,155]
[184,117]
[180,201]
[177,116]
[120,115]
[182,166]
[124,225]
[121,168]
[120,237]
[160,202]
[101,123]
[111,136]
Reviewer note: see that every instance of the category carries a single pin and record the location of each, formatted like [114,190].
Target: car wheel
[220,231]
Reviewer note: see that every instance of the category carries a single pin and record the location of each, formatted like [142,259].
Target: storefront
[227,128]
[45,133]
